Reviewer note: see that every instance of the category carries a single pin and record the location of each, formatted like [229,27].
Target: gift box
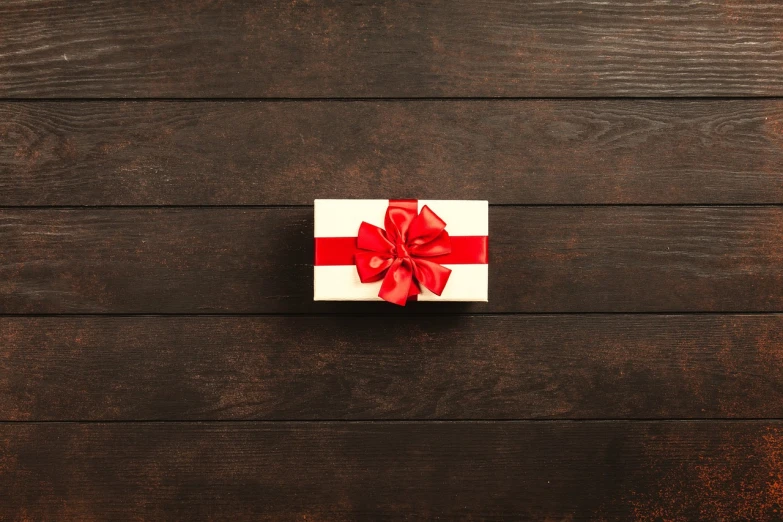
[401,249]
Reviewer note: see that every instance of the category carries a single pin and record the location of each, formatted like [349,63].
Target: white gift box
[337,223]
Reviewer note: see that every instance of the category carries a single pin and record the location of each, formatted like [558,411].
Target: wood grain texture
[130,48]
[443,367]
[257,260]
[379,471]
[507,152]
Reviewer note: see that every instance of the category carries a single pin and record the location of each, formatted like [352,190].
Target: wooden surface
[379,470]
[294,49]
[160,354]
[391,368]
[507,152]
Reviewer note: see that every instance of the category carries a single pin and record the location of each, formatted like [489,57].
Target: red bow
[397,254]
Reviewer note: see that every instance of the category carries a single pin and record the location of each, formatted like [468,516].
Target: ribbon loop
[396,254]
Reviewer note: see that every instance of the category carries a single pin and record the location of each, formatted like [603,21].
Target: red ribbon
[397,254]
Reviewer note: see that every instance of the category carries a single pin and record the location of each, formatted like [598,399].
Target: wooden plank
[507,152]
[399,367]
[380,471]
[55,48]
[257,260]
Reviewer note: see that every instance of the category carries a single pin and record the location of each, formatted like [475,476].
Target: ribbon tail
[431,275]
[396,286]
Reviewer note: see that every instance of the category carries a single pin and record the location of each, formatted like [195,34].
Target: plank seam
[736,420]
[716,98]
[304,206]
[385,314]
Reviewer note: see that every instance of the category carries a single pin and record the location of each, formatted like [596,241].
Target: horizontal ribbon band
[465,250]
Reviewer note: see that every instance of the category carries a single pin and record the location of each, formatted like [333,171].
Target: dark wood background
[160,353]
